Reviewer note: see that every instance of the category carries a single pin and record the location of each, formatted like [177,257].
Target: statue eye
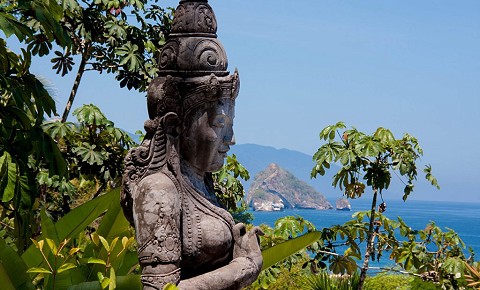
[219,122]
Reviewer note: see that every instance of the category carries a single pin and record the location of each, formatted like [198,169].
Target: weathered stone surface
[193,48]
[277,189]
[184,236]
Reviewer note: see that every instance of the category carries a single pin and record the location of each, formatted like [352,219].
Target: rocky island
[276,189]
[343,204]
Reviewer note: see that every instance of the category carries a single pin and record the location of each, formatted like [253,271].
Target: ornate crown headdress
[193,64]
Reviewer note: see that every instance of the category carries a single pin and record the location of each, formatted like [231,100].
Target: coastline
[462,217]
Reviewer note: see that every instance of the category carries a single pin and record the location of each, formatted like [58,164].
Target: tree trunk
[73,92]
[370,241]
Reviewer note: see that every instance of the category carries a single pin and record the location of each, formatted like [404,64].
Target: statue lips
[223,151]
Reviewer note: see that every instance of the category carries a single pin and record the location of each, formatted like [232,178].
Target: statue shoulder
[158,182]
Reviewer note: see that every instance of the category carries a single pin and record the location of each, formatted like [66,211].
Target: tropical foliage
[23,144]
[61,225]
[71,256]
[229,189]
[31,164]
[94,150]
[283,248]
[95,34]
[373,159]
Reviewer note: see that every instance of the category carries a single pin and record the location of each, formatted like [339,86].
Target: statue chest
[207,240]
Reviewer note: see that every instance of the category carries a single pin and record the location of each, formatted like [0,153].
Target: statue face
[206,143]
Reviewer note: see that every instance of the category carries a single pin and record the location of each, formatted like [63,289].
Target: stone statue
[184,235]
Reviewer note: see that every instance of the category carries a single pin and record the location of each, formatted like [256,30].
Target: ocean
[463,218]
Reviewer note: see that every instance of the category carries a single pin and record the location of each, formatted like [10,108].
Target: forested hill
[256,158]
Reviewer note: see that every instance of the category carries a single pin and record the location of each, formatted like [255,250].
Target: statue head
[197,113]
[190,104]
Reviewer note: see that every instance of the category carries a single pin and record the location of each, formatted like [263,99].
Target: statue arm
[158,211]
[242,271]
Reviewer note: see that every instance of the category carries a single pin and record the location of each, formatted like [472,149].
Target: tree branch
[76,84]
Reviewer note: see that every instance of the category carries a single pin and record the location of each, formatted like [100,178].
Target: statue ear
[171,125]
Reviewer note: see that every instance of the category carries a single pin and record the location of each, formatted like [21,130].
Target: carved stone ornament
[184,235]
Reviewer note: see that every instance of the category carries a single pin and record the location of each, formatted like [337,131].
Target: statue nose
[229,139]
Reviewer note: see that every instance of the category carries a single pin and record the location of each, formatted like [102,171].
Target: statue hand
[247,244]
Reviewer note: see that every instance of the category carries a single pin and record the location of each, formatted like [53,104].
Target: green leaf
[48,229]
[13,271]
[130,260]
[113,244]
[9,25]
[113,280]
[342,265]
[288,226]
[384,135]
[19,115]
[92,260]
[92,285]
[330,131]
[70,5]
[90,115]
[114,29]
[79,218]
[130,56]
[429,176]
[39,270]
[53,246]
[104,281]
[455,266]
[277,253]
[8,177]
[104,243]
[58,129]
[114,224]
[128,282]
[170,286]
[88,154]
[65,267]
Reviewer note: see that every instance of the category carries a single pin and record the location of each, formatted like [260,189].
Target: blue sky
[410,66]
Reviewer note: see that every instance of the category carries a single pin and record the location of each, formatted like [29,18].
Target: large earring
[171,124]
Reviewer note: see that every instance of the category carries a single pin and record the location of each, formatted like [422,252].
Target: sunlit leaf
[8,177]
[65,267]
[277,253]
[39,270]
[92,260]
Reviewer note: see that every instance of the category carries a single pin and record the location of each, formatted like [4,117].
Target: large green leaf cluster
[228,187]
[94,150]
[23,144]
[109,41]
[368,158]
[368,161]
[98,30]
[283,247]
[432,254]
[74,273]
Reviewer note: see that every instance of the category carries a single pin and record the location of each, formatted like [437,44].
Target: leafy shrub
[326,281]
[383,281]
[418,284]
